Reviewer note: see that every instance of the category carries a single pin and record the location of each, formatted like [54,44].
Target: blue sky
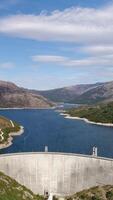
[48,44]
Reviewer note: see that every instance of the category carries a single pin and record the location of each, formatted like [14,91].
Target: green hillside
[11,190]
[95,193]
[6,128]
[99,113]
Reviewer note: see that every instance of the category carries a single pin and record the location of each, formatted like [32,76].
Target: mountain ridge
[12,96]
[82,93]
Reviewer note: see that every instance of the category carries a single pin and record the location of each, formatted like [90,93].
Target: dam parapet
[57,173]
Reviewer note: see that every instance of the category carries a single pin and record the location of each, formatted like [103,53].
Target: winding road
[1,135]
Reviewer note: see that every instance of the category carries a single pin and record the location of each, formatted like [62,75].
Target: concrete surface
[57,173]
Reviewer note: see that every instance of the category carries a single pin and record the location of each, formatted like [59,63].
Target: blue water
[47,127]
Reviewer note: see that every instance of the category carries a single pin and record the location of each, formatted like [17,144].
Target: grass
[95,193]
[12,190]
[4,122]
[6,127]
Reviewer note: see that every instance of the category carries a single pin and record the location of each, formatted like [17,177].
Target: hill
[12,96]
[12,190]
[95,193]
[82,94]
[101,93]
[68,94]
[101,113]
[6,127]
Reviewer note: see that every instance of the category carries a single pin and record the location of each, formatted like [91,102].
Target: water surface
[47,127]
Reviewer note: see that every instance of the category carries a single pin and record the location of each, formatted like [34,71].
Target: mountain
[81,94]
[101,93]
[12,190]
[69,94]
[13,96]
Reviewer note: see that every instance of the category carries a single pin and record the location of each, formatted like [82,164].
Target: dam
[57,173]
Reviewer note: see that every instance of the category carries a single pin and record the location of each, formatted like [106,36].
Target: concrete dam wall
[57,173]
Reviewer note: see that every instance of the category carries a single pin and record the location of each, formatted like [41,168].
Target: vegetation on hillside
[12,190]
[95,193]
[6,128]
[100,113]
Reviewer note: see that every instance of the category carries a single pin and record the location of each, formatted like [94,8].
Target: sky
[46,44]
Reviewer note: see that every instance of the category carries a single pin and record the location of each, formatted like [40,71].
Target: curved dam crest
[57,173]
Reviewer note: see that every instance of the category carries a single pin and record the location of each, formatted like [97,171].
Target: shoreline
[67,116]
[9,142]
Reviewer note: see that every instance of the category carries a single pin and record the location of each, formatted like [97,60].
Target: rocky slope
[82,94]
[12,190]
[103,93]
[68,94]
[13,96]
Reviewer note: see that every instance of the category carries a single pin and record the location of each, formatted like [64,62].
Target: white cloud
[66,61]
[49,59]
[98,50]
[6,65]
[79,25]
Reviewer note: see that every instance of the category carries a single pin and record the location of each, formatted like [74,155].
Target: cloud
[6,65]
[66,61]
[79,25]
[49,59]
[98,50]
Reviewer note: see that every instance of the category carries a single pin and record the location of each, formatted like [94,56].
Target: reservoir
[46,127]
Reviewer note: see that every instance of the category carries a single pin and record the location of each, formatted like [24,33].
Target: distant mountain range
[13,96]
[81,94]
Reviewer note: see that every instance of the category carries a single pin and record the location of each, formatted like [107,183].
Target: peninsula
[97,114]
[8,128]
